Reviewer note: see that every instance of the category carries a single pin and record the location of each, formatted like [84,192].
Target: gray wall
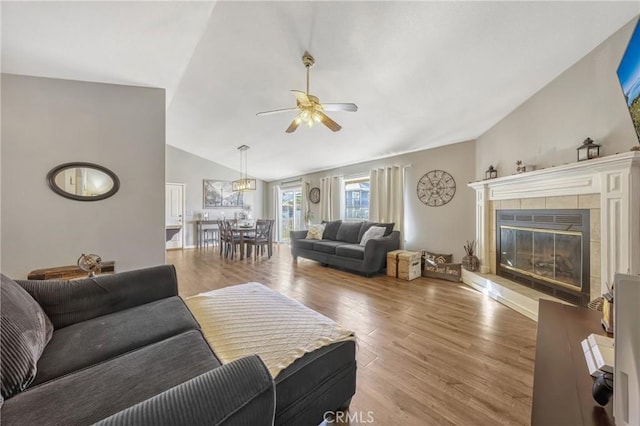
[440,229]
[584,101]
[190,170]
[46,122]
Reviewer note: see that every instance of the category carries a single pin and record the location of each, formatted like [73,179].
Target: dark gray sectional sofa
[340,246]
[124,349]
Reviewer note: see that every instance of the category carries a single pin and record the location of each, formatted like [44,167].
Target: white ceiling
[423,74]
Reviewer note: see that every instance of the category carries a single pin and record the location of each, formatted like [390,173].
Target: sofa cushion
[304,244]
[69,302]
[91,394]
[89,342]
[354,251]
[25,330]
[349,232]
[315,232]
[331,229]
[326,246]
[371,234]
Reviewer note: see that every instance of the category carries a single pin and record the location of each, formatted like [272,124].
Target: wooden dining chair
[221,236]
[229,239]
[261,238]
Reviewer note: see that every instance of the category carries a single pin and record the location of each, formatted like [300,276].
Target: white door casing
[174,212]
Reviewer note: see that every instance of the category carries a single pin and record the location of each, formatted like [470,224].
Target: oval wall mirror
[83,181]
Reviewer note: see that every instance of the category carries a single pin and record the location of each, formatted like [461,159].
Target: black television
[629,77]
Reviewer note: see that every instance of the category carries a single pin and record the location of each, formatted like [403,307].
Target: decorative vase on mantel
[470,262]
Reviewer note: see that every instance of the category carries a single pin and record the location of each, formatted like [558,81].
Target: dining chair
[261,238]
[229,239]
[221,236]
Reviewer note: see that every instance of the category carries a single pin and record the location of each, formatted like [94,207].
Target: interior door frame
[183,232]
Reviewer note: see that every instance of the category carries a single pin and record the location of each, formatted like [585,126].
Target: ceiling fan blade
[276,111]
[340,107]
[329,122]
[301,96]
[293,126]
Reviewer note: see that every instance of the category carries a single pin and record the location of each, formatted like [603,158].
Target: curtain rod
[287,182]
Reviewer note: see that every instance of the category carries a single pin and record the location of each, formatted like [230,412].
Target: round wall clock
[436,188]
[314,195]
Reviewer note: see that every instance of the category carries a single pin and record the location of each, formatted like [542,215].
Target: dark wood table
[562,384]
[69,272]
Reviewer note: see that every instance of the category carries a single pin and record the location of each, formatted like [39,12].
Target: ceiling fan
[311,111]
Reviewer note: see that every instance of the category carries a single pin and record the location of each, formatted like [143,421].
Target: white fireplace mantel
[616,178]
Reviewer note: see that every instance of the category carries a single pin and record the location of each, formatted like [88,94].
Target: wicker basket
[471,263]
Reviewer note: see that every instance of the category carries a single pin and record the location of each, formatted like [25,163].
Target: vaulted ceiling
[423,74]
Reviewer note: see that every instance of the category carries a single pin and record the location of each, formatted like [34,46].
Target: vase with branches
[470,262]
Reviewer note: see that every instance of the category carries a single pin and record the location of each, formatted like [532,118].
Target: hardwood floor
[430,352]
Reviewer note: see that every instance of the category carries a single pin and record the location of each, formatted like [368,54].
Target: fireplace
[547,250]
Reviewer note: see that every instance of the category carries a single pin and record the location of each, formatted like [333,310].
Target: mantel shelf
[616,161]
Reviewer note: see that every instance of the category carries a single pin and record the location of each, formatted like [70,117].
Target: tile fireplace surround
[608,186]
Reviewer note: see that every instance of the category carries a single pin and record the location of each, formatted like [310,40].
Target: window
[356,195]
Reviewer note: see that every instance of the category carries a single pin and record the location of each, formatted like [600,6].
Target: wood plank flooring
[430,352]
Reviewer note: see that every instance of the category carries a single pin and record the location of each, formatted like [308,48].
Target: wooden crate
[403,264]
[392,263]
[409,265]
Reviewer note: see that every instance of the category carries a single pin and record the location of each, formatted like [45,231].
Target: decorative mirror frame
[51,181]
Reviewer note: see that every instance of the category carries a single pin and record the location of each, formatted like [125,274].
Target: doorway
[289,212]
[174,214]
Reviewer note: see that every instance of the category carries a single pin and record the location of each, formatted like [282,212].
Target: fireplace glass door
[550,255]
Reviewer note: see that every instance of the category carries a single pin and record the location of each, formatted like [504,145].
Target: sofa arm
[376,249]
[69,302]
[241,392]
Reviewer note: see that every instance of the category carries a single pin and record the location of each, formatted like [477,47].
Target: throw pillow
[438,259]
[315,232]
[372,233]
[388,228]
[331,229]
[25,330]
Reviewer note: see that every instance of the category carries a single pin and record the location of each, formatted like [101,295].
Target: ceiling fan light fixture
[311,110]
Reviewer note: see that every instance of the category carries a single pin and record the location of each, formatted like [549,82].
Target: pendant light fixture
[244,183]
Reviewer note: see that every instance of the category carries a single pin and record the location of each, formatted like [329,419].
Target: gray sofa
[340,246]
[124,349]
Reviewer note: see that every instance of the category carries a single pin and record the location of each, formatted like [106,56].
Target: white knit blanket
[250,318]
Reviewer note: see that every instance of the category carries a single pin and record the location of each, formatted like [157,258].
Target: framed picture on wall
[218,193]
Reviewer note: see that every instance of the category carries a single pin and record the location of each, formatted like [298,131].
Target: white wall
[46,122]
[584,101]
[440,229]
[190,170]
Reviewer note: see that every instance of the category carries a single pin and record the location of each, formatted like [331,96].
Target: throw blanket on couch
[250,318]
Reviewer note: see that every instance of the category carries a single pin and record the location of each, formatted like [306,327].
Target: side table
[68,272]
